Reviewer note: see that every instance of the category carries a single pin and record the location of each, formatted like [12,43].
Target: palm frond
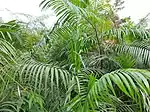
[140,53]
[43,77]
[7,106]
[8,29]
[103,62]
[7,53]
[84,101]
[132,82]
[64,9]
[124,33]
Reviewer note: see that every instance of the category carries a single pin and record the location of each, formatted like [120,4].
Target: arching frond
[85,102]
[141,54]
[63,32]
[64,9]
[7,53]
[8,106]
[7,48]
[133,83]
[123,33]
[43,77]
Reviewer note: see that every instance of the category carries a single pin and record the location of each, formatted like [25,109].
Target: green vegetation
[90,61]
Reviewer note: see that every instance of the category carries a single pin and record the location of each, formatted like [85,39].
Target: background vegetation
[90,61]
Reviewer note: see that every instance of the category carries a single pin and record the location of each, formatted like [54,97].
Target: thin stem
[96,33]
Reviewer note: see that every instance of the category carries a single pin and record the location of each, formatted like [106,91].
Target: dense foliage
[90,61]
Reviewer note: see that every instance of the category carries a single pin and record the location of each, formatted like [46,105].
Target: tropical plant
[90,61]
